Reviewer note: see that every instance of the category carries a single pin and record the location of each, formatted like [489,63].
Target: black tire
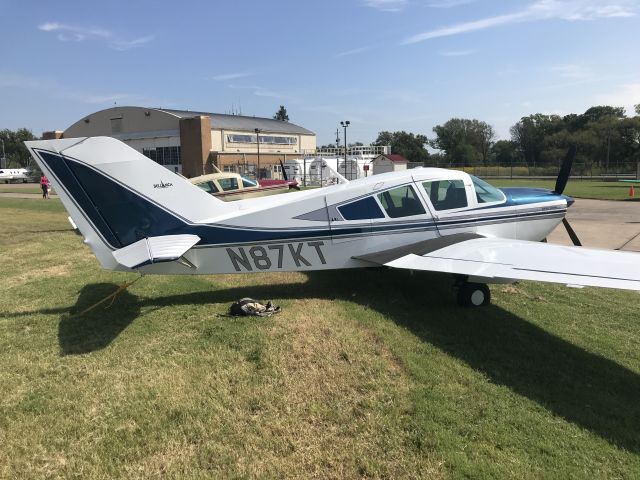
[474,295]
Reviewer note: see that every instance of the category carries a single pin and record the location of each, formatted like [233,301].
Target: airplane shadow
[582,387]
[96,329]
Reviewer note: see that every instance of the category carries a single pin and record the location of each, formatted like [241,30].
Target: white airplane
[136,215]
[10,174]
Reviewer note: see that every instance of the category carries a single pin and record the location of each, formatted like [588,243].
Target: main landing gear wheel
[474,295]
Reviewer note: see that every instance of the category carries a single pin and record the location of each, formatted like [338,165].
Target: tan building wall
[195,145]
[53,135]
[384,165]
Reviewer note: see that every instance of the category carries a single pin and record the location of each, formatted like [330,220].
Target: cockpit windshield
[247,182]
[486,193]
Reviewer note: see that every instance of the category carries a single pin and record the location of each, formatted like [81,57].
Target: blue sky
[381,64]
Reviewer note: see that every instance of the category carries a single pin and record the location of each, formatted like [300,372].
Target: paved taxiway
[602,224]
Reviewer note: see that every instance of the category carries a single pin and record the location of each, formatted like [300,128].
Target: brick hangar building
[192,142]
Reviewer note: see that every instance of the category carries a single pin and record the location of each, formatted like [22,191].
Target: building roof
[241,122]
[394,157]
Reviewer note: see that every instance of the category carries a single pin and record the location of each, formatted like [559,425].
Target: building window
[264,139]
[116,125]
[164,155]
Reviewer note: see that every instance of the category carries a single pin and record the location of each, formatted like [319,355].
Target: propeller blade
[284,172]
[565,170]
[572,233]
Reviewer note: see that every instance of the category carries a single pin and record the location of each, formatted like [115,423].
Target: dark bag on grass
[249,306]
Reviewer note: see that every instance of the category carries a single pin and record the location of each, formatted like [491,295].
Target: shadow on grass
[584,388]
[96,329]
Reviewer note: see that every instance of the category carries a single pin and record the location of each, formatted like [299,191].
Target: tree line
[603,135]
[15,151]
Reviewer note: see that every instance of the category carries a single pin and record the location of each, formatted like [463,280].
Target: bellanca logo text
[162,185]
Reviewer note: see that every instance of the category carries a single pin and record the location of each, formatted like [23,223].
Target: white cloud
[626,95]
[16,80]
[450,3]
[75,33]
[573,71]
[53,88]
[386,5]
[353,51]
[457,53]
[259,91]
[570,10]
[230,76]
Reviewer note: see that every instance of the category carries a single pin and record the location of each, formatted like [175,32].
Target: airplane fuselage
[327,228]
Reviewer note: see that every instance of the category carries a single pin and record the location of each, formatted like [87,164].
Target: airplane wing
[498,259]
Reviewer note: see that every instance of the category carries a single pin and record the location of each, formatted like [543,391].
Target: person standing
[44,184]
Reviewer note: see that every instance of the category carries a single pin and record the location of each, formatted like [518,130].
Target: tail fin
[117,196]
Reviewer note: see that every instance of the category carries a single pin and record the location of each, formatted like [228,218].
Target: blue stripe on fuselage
[122,216]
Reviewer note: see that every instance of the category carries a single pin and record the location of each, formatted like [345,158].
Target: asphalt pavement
[602,224]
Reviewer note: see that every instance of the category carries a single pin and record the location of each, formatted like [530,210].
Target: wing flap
[502,259]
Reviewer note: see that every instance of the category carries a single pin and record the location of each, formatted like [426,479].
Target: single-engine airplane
[136,215]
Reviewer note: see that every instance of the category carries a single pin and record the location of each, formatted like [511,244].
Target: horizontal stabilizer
[166,248]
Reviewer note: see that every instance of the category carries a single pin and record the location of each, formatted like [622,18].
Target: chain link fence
[520,169]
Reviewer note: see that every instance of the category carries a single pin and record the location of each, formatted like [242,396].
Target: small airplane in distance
[231,186]
[9,175]
[136,215]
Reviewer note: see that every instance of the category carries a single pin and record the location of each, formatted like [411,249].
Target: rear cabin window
[401,202]
[228,183]
[364,209]
[446,194]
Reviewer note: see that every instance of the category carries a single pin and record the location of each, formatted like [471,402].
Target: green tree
[504,152]
[281,114]
[464,141]
[409,145]
[530,133]
[16,152]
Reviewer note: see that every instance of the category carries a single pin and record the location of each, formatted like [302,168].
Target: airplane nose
[570,200]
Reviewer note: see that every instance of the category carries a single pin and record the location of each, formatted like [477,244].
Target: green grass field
[576,188]
[21,188]
[364,374]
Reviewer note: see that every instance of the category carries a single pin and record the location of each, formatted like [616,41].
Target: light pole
[257,130]
[345,124]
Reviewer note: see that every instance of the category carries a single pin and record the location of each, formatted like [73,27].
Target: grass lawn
[21,188]
[364,373]
[576,188]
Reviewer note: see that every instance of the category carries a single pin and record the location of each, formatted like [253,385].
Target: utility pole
[3,162]
[345,124]
[257,130]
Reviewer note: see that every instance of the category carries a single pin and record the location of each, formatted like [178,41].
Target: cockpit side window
[446,194]
[401,202]
[228,183]
[208,187]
